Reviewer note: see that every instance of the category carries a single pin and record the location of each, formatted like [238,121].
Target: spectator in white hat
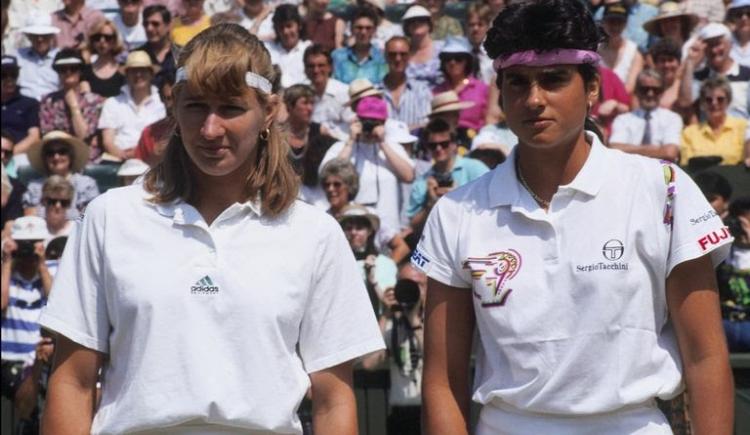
[131,170]
[18,12]
[738,17]
[37,78]
[716,40]
[408,100]
[424,64]
[125,116]
[458,68]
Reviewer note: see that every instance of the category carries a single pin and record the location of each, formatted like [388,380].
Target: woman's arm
[449,329]
[334,405]
[72,389]
[693,302]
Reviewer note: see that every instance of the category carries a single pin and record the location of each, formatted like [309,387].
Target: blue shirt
[347,68]
[36,77]
[465,169]
[19,114]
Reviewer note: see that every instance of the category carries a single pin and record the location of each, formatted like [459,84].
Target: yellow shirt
[183,33]
[700,140]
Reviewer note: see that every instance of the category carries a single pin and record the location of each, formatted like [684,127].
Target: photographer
[378,271]
[380,165]
[448,171]
[26,283]
[401,324]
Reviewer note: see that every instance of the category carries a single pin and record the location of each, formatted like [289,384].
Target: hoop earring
[264,135]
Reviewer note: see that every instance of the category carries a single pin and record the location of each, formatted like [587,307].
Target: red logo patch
[714,238]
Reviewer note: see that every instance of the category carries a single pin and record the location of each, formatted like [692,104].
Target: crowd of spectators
[387,106]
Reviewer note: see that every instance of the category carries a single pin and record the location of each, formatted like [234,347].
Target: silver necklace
[543,202]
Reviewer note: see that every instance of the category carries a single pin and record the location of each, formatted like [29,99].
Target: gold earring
[265,134]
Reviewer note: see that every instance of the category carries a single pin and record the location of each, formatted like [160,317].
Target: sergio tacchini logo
[613,250]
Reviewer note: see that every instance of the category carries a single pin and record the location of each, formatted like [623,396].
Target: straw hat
[448,102]
[670,10]
[356,211]
[39,24]
[79,147]
[361,88]
[139,59]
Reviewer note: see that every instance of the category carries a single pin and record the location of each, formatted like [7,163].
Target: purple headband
[561,56]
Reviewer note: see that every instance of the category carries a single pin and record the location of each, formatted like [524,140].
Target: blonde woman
[104,46]
[209,296]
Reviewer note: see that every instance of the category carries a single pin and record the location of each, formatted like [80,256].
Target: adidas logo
[204,286]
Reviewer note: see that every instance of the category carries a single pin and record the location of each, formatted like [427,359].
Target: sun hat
[79,147]
[67,57]
[132,168]
[456,45]
[448,102]
[356,211]
[738,4]
[39,24]
[372,108]
[416,11]
[398,132]
[361,88]
[615,10]
[138,59]
[29,228]
[714,30]
[669,10]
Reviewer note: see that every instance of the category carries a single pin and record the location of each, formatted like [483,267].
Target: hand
[608,108]
[696,52]
[71,99]
[44,350]
[370,269]
[355,129]
[378,133]
[389,298]
[84,87]
[39,251]
[9,247]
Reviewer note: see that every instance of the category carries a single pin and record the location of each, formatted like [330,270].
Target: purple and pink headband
[563,56]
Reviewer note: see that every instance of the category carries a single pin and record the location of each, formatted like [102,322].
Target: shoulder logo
[493,273]
[204,286]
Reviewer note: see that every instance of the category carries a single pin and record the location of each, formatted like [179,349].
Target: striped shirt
[20,322]
[413,105]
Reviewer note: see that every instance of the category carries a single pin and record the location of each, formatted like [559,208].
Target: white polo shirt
[127,119]
[570,305]
[290,61]
[331,109]
[666,127]
[209,325]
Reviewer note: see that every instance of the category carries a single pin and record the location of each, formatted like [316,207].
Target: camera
[369,125]
[444,179]
[407,294]
[25,249]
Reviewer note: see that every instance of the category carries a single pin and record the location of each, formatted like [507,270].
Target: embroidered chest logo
[494,272]
[204,286]
[613,250]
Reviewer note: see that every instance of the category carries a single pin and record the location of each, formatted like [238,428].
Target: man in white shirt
[331,95]
[124,117]
[650,130]
[288,49]
[257,17]
[37,78]
[129,23]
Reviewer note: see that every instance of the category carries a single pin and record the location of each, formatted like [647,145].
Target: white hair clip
[253,80]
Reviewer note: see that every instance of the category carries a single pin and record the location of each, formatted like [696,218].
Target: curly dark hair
[542,25]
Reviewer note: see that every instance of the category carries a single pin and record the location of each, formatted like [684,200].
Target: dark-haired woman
[583,268]
[209,297]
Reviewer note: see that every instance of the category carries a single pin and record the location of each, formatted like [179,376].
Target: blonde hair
[58,185]
[216,62]
[97,27]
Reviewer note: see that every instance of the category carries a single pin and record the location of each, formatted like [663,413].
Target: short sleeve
[697,229]
[77,306]
[417,197]
[436,251]
[108,117]
[339,323]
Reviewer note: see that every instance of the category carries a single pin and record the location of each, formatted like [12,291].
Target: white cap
[132,168]
[738,4]
[714,30]
[398,132]
[29,228]
[40,24]
[416,11]
[456,44]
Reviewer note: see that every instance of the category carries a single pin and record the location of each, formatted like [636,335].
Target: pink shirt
[73,33]
[476,91]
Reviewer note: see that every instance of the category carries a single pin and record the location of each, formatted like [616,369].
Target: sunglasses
[453,58]
[647,89]
[710,100]
[63,69]
[63,151]
[103,36]
[129,2]
[736,14]
[434,145]
[52,202]
[334,184]
[395,54]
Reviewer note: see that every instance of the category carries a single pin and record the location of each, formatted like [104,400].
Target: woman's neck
[298,126]
[54,228]
[421,43]
[212,195]
[717,121]
[104,60]
[458,81]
